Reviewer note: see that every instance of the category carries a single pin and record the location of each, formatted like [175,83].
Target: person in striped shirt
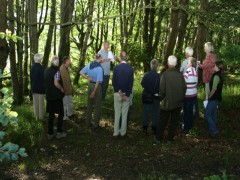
[191,79]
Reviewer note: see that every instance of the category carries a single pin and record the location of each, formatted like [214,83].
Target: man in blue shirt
[93,72]
[123,84]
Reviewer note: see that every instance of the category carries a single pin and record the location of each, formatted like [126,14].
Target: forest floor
[94,154]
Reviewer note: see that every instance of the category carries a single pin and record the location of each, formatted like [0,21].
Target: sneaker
[66,119]
[61,135]
[50,136]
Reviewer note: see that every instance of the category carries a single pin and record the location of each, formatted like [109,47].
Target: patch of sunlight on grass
[22,167]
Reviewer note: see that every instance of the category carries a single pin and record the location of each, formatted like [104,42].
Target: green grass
[94,151]
[30,131]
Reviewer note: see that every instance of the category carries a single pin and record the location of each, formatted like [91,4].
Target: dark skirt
[55,106]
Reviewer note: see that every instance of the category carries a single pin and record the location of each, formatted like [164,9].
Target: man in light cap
[172,93]
[54,96]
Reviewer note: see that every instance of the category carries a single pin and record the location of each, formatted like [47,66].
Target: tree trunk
[85,42]
[17,92]
[174,24]
[132,16]
[201,32]
[121,22]
[33,33]
[139,22]
[4,49]
[151,28]
[183,26]
[67,7]
[25,66]
[20,44]
[146,35]
[161,13]
[48,46]
[41,27]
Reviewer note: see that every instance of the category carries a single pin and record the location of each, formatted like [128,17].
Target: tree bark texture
[26,52]
[17,91]
[86,37]
[67,7]
[173,31]
[48,46]
[4,49]
[182,27]
[33,32]
[201,32]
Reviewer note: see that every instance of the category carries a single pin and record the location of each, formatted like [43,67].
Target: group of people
[175,90]
[55,83]
[164,95]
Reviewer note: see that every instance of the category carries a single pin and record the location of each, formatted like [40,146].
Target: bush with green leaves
[8,119]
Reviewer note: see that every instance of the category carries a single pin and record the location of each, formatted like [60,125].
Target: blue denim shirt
[96,73]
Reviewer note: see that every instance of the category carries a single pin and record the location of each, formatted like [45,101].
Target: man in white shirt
[107,58]
[188,54]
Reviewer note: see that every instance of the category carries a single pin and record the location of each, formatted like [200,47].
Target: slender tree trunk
[48,46]
[132,16]
[55,40]
[85,43]
[146,34]
[201,32]
[20,44]
[139,22]
[41,27]
[173,31]
[25,66]
[151,28]
[98,28]
[17,92]
[67,7]
[33,33]
[161,14]
[183,26]
[4,49]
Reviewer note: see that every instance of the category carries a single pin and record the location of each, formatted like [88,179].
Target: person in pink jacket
[208,65]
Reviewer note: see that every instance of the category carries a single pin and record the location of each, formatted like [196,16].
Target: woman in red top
[207,66]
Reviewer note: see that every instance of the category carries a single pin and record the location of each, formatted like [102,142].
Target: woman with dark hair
[215,85]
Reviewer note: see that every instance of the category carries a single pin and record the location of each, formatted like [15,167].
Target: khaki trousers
[67,106]
[121,110]
[38,104]
[94,103]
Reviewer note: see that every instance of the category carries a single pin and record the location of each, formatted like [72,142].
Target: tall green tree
[17,90]
[4,49]
[67,7]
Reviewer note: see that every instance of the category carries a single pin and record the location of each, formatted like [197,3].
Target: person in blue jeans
[150,84]
[191,79]
[215,84]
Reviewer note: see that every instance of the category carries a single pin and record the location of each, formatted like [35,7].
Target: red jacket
[207,67]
